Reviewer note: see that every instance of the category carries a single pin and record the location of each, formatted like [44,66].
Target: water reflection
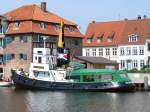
[12,100]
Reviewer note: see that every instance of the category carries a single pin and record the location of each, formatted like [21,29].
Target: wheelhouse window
[88,78]
[23,39]
[123,75]
[106,77]
[41,74]
[89,40]
[132,38]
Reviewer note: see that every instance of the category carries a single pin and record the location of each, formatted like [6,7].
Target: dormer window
[99,39]
[57,27]
[16,24]
[110,37]
[42,25]
[89,40]
[133,38]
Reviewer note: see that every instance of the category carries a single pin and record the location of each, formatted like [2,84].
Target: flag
[61,43]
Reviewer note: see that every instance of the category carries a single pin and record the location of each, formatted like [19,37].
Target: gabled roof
[34,12]
[30,17]
[119,30]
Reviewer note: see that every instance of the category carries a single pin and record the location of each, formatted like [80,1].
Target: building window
[89,40]
[23,56]
[9,56]
[141,63]
[141,48]
[135,51]
[100,50]
[107,51]
[9,39]
[148,46]
[135,63]
[87,52]
[94,52]
[110,39]
[114,51]
[122,51]
[42,25]
[99,39]
[16,24]
[128,51]
[23,39]
[1,28]
[122,64]
[75,42]
[133,38]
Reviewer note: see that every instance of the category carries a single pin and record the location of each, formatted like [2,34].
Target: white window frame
[93,51]
[122,51]
[128,51]
[107,51]
[100,50]
[114,51]
[141,50]
[132,38]
[135,51]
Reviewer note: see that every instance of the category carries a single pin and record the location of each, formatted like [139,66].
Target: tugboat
[46,73]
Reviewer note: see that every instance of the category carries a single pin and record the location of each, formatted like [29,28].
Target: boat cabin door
[39,59]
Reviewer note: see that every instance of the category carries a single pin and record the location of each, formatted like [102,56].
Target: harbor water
[12,100]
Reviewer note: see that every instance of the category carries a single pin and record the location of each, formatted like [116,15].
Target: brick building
[26,28]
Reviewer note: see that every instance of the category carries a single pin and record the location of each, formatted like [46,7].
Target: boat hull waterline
[22,81]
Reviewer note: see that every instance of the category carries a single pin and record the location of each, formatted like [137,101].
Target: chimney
[43,6]
[93,21]
[139,17]
[144,16]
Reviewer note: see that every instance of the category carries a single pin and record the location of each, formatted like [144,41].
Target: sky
[82,12]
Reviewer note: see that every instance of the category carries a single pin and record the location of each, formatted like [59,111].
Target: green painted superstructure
[117,76]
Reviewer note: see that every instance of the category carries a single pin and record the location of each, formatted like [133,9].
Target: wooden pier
[141,81]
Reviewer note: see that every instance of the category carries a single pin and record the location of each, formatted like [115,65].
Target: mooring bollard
[145,83]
